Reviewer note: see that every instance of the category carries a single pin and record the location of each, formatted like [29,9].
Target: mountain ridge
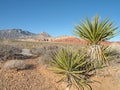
[19,33]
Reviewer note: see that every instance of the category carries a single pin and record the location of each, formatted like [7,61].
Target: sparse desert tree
[73,67]
[94,32]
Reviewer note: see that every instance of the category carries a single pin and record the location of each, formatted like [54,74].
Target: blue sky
[57,17]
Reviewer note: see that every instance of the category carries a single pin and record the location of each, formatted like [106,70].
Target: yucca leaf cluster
[95,31]
[73,67]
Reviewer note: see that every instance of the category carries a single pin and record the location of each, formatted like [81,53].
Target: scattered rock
[15,64]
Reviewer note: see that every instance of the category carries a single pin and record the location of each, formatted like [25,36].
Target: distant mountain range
[19,33]
[43,36]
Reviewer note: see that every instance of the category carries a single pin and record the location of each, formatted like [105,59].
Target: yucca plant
[73,67]
[94,32]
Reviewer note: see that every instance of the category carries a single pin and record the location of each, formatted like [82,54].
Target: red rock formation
[70,40]
[77,41]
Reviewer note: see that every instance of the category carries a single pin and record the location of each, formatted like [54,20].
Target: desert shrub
[9,52]
[45,53]
[42,50]
[48,52]
[114,50]
[38,51]
[113,54]
[15,64]
[45,59]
